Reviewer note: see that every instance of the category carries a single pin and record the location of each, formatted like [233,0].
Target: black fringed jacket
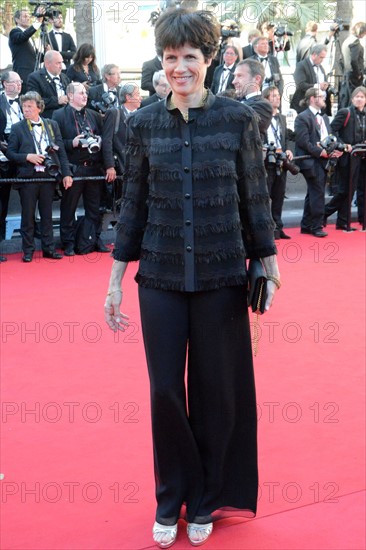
[195,201]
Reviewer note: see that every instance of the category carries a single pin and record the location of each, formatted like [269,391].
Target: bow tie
[58,32]
[11,101]
[36,124]
[56,78]
[113,92]
[261,59]
[226,69]
[318,113]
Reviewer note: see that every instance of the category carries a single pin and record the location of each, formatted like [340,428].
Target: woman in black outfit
[195,206]
[84,68]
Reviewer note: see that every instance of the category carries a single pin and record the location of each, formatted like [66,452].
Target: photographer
[349,125]
[105,96]
[277,37]
[60,40]
[275,162]
[81,129]
[272,71]
[36,146]
[311,127]
[22,45]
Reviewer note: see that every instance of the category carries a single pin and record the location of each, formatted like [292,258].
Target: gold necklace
[185,114]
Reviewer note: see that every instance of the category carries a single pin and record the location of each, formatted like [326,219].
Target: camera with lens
[331,144]
[90,141]
[280,160]
[230,31]
[281,30]
[337,25]
[332,90]
[107,101]
[49,12]
[51,161]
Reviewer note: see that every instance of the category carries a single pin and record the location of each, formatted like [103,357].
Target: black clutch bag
[257,293]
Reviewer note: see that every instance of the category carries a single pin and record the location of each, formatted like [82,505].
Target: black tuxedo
[114,142]
[68,46]
[248,51]
[95,94]
[349,126]
[41,82]
[217,77]
[277,182]
[305,78]
[4,111]
[263,108]
[307,134]
[21,143]
[275,70]
[23,53]
[85,164]
[147,73]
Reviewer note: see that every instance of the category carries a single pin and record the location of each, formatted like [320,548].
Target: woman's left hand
[271,290]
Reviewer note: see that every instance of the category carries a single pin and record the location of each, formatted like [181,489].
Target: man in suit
[248,49]
[276,176]
[248,80]
[10,113]
[224,74]
[272,71]
[50,83]
[114,130]
[148,69]
[311,127]
[28,147]
[111,76]
[60,40]
[22,45]
[310,73]
[161,86]
[75,121]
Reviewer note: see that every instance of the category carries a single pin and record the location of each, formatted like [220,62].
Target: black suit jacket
[217,76]
[147,73]
[41,82]
[305,78]
[4,110]
[68,46]
[274,67]
[307,134]
[23,53]
[263,109]
[65,118]
[346,127]
[113,143]
[21,143]
[95,94]
[248,51]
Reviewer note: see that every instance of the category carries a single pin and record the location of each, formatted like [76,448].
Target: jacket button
[186,169]
[186,143]
[189,248]
[188,222]
[187,196]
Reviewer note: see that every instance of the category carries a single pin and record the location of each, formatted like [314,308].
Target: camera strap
[39,138]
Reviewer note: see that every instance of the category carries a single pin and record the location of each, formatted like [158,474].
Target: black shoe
[306,231]
[319,233]
[100,247]
[283,235]
[69,251]
[343,227]
[277,235]
[325,221]
[3,259]
[52,255]
[27,258]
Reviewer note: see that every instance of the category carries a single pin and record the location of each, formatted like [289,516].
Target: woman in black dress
[84,68]
[195,206]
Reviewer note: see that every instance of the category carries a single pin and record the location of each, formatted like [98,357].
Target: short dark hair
[311,92]
[33,96]
[255,68]
[176,27]
[267,91]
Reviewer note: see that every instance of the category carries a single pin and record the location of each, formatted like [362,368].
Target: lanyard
[38,142]
[276,132]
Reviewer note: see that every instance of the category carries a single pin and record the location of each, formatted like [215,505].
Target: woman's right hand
[115,319]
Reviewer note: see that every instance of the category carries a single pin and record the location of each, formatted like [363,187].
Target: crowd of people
[83,149]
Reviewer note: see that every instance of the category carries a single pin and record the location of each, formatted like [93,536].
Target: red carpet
[76,448]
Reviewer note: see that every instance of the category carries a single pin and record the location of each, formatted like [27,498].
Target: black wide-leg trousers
[204,430]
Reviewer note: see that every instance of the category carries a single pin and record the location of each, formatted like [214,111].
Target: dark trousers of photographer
[91,193]
[32,194]
[314,204]
[349,176]
[276,188]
